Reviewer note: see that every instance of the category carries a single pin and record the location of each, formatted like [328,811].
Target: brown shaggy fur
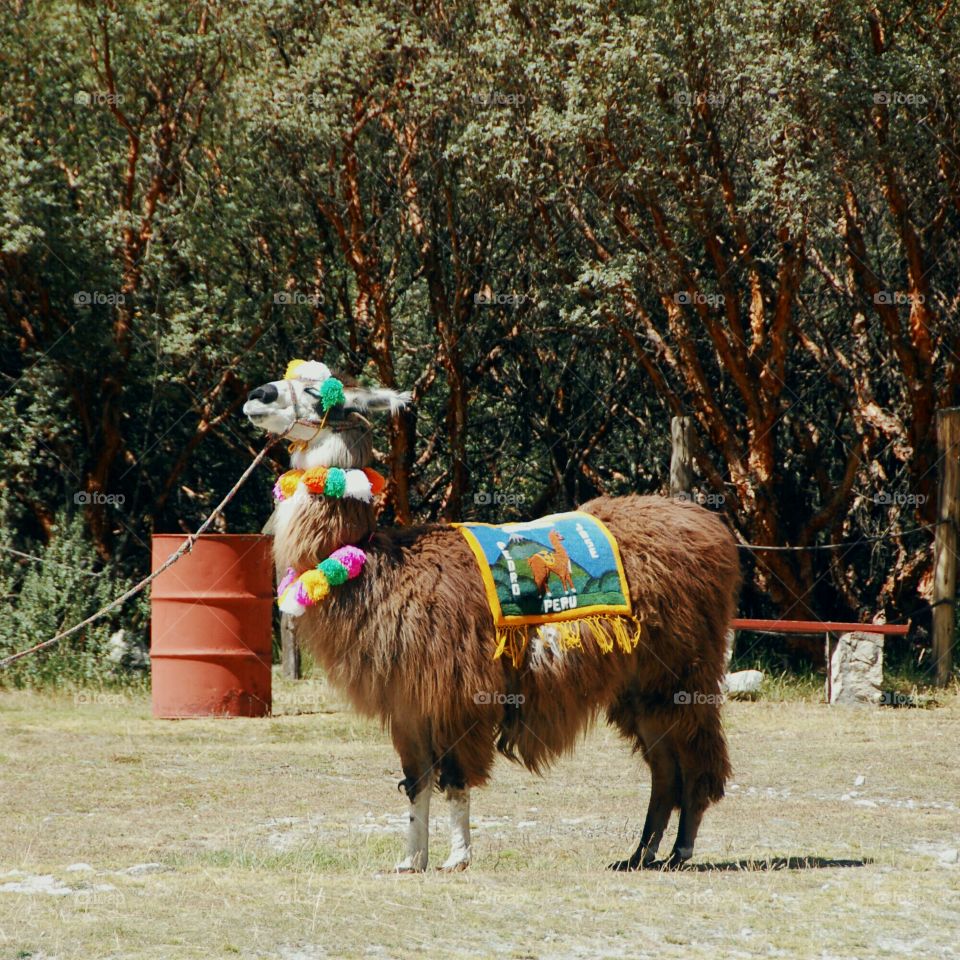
[411,641]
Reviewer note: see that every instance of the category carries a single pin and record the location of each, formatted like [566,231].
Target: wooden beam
[819,626]
[945,543]
[681,457]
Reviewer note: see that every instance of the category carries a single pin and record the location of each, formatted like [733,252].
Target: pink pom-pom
[302,597]
[277,492]
[353,558]
[286,581]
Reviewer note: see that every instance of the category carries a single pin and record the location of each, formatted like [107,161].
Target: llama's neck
[335,448]
[309,528]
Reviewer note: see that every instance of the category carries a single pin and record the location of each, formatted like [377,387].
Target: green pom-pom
[331,393]
[336,482]
[334,571]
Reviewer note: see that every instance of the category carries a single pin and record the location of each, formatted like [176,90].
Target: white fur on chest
[283,516]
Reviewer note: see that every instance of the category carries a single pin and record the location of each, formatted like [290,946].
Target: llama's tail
[706,754]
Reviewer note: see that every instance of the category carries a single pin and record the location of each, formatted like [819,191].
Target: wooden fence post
[681,462]
[289,651]
[945,543]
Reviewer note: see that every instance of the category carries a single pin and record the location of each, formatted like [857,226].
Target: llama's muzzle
[265,394]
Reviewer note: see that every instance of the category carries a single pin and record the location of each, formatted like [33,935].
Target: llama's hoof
[676,861]
[402,870]
[456,867]
[636,862]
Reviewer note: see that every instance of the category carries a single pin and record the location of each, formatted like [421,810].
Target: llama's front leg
[458,803]
[412,743]
[418,828]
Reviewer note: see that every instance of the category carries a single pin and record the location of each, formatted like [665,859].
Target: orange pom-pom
[315,479]
[377,483]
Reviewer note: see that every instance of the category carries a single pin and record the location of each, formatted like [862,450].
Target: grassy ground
[127,837]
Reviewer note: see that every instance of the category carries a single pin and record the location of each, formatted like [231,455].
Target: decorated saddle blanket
[561,568]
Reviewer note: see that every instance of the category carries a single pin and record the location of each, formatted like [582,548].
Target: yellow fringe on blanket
[607,632]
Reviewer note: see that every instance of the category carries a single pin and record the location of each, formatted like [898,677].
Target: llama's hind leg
[665,786]
[704,767]
[691,813]
[453,782]
[417,783]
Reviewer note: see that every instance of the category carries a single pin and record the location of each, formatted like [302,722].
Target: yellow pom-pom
[289,481]
[292,367]
[315,584]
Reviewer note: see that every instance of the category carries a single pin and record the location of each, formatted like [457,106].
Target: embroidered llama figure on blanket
[544,563]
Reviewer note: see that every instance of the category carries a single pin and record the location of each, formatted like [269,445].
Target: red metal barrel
[211,627]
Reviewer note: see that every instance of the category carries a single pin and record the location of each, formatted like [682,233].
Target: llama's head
[309,406]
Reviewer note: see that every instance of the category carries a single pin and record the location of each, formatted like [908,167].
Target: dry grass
[274,838]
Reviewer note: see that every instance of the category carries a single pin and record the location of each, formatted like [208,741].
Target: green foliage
[67,584]
[501,207]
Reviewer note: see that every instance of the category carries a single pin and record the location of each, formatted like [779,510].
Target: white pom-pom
[358,486]
[288,603]
[312,370]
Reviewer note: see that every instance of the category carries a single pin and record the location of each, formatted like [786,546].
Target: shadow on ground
[775,863]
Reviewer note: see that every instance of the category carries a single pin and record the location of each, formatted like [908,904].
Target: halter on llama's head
[323,415]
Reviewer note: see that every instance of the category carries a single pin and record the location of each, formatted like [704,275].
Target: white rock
[743,683]
[856,669]
[38,884]
[140,868]
[78,868]
[860,781]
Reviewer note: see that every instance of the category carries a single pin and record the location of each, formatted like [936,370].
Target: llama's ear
[376,399]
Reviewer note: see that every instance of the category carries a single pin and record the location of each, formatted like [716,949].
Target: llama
[544,563]
[409,638]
